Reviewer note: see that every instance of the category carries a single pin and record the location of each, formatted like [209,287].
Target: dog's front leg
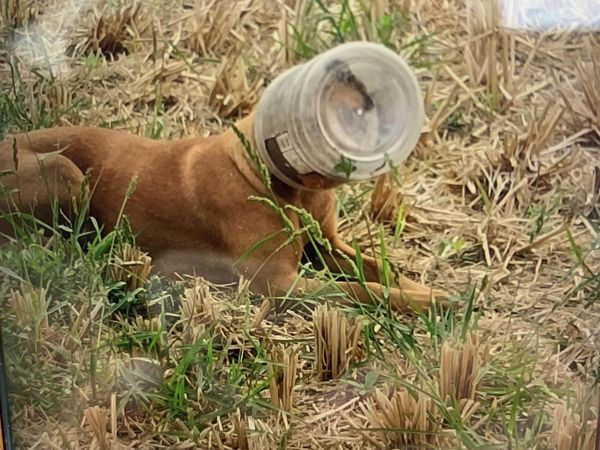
[368,293]
[338,261]
[282,285]
[409,291]
[342,255]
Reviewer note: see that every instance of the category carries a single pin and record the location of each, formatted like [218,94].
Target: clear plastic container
[345,115]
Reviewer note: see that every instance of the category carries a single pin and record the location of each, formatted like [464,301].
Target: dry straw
[17,13]
[406,420]
[283,372]
[239,439]
[250,433]
[336,341]
[197,311]
[460,366]
[260,437]
[197,303]
[582,98]
[480,55]
[234,93]
[213,25]
[111,31]
[130,266]
[96,419]
[30,307]
[570,431]
[385,200]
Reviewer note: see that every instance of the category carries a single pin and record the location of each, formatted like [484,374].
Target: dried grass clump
[481,55]
[130,266]
[570,431]
[239,439]
[50,98]
[459,369]
[582,98]
[96,419]
[521,156]
[16,13]
[110,31]
[283,372]
[197,303]
[233,93]
[336,342]
[214,24]
[250,433]
[506,178]
[385,200]
[406,420]
[30,307]
[197,311]
[151,325]
[521,152]
[10,13]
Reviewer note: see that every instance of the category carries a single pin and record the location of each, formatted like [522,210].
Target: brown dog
[192,208]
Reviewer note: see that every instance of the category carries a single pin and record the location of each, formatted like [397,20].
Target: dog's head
[351,100]
[348,115]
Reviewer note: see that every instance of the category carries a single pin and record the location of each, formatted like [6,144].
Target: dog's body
[190,207]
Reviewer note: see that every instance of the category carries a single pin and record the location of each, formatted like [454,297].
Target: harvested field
[499,205]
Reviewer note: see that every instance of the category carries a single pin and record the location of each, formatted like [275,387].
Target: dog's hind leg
[35,184]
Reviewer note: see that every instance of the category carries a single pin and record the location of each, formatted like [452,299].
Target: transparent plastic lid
[350,113]
[364,104]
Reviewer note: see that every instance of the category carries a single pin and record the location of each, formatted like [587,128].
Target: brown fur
[190,208]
